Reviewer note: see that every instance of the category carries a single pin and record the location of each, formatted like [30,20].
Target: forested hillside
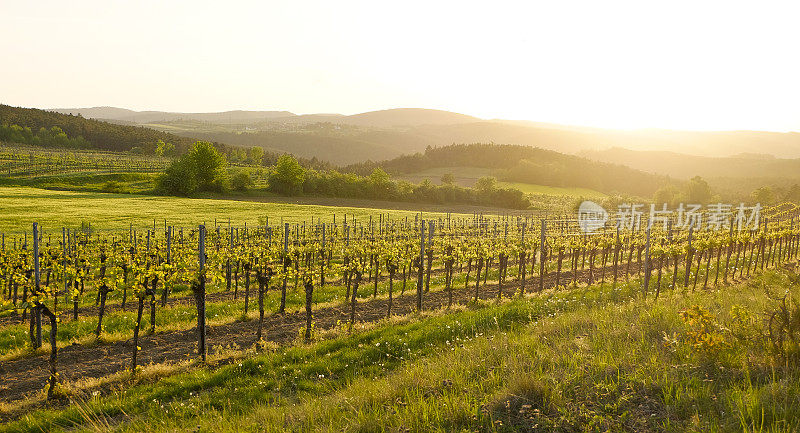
[321,141]
[526,164]
[97,134]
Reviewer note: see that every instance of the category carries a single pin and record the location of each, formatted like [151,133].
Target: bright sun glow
[680,65]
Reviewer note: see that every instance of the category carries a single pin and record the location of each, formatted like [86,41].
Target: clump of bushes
[777,335]
[241,181]
[203,168]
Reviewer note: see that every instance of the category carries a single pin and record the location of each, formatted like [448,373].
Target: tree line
[205,169]
[525,164]
[52,137]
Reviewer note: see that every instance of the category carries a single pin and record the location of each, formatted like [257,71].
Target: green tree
[448,179]
[381,184]
[179,178]
[160,147]
[255,155]
[164,149]
[486,184]
[237,155]
[666,194]
[210,167]
[763,195]
[203,168]
[287,176]
[793,194]
[698,190]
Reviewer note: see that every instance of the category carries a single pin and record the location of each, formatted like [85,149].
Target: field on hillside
[528,188]
[311,327]
[30,162]
[54,209]
[467,176]
[22,206]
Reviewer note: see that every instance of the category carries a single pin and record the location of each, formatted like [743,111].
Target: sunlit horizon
[713,66]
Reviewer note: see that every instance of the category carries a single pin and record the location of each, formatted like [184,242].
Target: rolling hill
[409,150]
[685,166]
[407,117]
[125,115]
[385,134]
[381,118]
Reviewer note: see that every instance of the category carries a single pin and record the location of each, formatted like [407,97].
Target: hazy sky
[671,64]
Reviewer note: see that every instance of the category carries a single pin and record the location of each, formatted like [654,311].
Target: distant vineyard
[29,162]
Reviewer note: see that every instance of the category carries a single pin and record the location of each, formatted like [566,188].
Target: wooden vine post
[543,251]
[429,256]
[522,257]
[165,290]
[323,257]
[102,292]
[43,310]
[285,267]
[36,311]
[646,262]
[264,276]
[309,287]
[200,294]
[421,264]
[354,293]
[689,254]
[137,326]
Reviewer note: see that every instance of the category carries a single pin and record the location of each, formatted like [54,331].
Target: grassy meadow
[599,358]
[528,188]
[55,209]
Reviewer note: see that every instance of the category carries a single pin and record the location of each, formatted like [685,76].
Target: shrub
[784,329]
[241,181]
[178,178]
[204,168]
[287,177]
[704,334]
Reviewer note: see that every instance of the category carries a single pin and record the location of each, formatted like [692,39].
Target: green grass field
[594,359]
[467,176]
[54,209]
[528,188]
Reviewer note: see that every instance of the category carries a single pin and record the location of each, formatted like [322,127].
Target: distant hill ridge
[380,118]
[385,134]
[745,165]
[125,115]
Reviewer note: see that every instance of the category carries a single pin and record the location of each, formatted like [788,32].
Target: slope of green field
[53,209]
[600,358]
[467,176]
[528,188]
